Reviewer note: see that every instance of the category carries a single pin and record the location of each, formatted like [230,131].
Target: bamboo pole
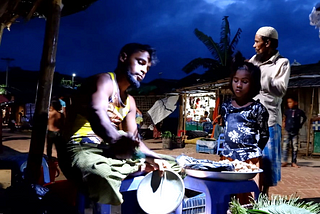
[180,125]
[185,114]
[309,122]
[1,149]
[47,67]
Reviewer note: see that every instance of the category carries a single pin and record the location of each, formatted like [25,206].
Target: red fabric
[3,99]
[215,114]
[156,133]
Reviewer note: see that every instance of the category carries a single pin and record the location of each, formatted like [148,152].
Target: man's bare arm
[97,109]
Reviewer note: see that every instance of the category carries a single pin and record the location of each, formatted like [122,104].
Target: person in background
[218,129]
[275,73]
[55,124]
[197,104]
[63,106]
[205,117]
[293,120]
[103,145]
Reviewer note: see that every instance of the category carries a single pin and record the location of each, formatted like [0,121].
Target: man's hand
[156,164]
[124,147]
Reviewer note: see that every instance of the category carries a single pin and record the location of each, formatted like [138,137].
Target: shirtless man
[55,123]
[101,131]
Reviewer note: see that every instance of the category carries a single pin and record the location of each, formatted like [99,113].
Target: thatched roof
[11,10]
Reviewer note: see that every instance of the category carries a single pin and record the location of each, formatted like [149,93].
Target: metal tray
[224,175]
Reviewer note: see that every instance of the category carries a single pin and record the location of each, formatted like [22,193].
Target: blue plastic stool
[128,189]
[45,170]
[218,192]
[220,143]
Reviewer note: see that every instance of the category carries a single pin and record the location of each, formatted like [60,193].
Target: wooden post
[309,122]
[185,113]
[47,67]
[1,130]
[180,126]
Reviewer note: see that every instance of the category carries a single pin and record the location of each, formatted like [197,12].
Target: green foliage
[276,205]
[66,83]
[168,134]
[236,208]
[2,89]
[222,52]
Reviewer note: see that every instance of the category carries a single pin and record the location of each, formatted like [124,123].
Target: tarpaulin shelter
[163,108]
[52,10]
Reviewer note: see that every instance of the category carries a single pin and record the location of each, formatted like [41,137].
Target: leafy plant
[3,90]
[275,205]
[221,52]
[168,134]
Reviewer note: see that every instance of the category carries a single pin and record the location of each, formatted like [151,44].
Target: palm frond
[200,62]
[276,205]
[285,204]
[235,41]
[212,46]
[225,39]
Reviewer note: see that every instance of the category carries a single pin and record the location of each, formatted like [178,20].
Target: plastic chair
[220,142]
[218,192]
[45,170]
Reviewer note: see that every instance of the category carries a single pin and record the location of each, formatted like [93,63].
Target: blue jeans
[290,139]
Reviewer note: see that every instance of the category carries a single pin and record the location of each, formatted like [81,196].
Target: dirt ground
[189,150]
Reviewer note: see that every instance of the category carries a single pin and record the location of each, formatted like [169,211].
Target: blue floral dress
[243,126]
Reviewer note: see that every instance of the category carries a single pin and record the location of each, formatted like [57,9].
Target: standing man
[101,132]
[63,106]
[55,124]
[275,73]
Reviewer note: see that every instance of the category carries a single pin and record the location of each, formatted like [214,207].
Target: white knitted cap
[269,32]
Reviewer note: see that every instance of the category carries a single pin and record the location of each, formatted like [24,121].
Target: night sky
[89,41]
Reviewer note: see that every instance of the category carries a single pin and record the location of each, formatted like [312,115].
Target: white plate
[167,197]
[224,175]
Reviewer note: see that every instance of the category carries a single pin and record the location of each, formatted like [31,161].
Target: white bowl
[167,195]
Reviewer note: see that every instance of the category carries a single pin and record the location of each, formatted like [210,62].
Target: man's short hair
[132,48]
[56,104]
[293,97]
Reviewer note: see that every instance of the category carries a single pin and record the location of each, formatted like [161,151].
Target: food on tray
[208,165]
[240,166]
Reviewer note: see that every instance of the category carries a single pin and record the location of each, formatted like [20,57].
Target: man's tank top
[117,111]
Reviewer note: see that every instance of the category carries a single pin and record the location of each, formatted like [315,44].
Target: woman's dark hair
[239,63]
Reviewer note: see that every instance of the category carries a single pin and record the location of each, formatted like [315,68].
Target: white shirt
[275,74]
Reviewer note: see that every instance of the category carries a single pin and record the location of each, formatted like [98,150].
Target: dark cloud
[89,41]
